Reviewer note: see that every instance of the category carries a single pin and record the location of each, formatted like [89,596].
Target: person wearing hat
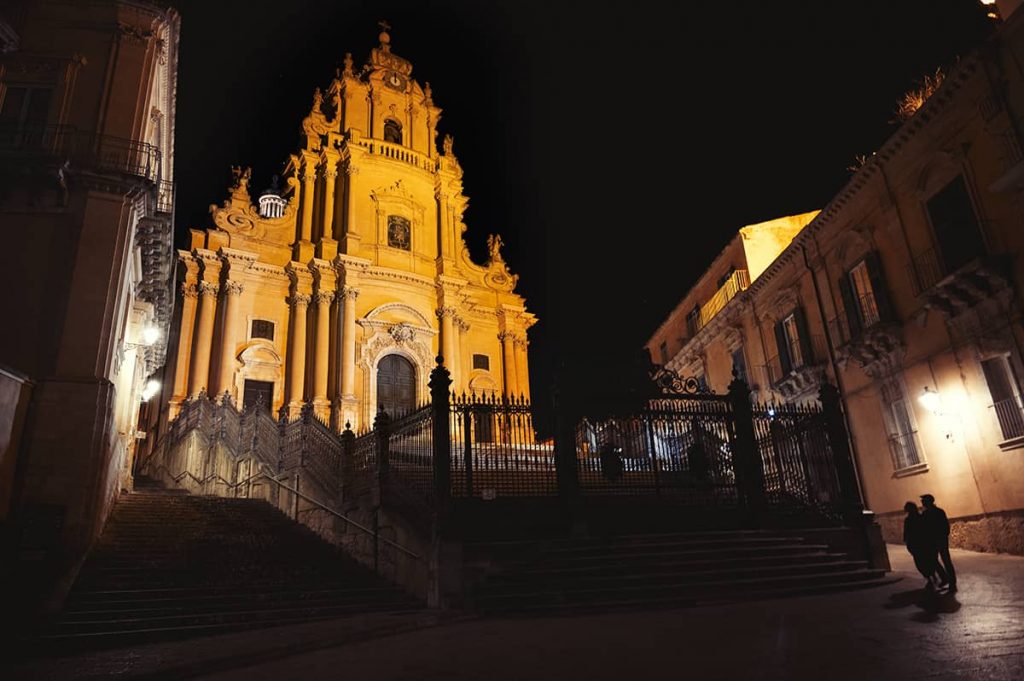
[936,527]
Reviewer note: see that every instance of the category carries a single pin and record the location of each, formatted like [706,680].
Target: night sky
[615,150]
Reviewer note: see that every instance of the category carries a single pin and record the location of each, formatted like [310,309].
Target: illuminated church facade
[341,288]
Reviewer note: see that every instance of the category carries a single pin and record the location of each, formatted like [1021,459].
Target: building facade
[340,289]
[87,102]
[904,291]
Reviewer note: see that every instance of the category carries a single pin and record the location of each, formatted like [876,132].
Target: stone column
[202,340]
[508,362]
[297,351]
[352,237]
[330,173]
[522,367]
[232,290]
[322,344]
[308,185]
[189,300]
[348,342]
[461,327]
[448,345]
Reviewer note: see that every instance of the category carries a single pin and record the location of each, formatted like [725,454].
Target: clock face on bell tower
[394,80]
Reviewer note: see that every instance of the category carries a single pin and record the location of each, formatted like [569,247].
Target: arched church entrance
[396,385]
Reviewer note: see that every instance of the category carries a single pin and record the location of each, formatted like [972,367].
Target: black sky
[616,150]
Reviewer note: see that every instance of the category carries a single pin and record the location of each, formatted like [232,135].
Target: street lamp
[150,334]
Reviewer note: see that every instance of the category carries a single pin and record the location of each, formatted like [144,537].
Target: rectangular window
[1005,392]
[860,282]
[902,439]
[482,362]
[693,321]
[664,353]
[792,333]
[261,328]
[258,394]
[739,365]
[956,227]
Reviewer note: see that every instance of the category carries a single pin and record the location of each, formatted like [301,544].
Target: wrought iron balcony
[81,149]
[961,289]
[1011,418]
[802,373]
[903,448]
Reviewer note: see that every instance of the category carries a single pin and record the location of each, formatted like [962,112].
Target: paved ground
[891,632]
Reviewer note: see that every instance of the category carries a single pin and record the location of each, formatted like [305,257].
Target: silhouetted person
[915,536]
[936,526]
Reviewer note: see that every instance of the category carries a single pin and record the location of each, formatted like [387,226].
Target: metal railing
[925,270]
[262,474]
[1011,417]
[818,347]
[81,149]
[738,281]
[903,448]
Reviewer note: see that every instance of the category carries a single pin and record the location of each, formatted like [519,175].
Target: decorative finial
[385,39]
[318,100]
[348,64]
[427,94]
[448,144]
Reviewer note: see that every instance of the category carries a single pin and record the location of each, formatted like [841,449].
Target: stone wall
[991,533]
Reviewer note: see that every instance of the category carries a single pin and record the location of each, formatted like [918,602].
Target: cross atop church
[384,25]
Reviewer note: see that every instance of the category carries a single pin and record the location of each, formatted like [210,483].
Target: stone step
[155,598]
[683,600]
[607,569]
[683,593]
[289,611]
[129,612]
[527,582]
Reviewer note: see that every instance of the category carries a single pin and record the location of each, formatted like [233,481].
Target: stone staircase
[645,571]
[173,565]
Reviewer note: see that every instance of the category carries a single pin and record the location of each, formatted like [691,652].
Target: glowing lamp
[152,388]
[929,399]
[150,334]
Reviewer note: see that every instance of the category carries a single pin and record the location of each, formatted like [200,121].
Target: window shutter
[878,287]
[780,341]
[850,305]
[805,336]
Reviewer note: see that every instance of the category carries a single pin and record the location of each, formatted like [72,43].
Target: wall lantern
[929,399]
[152,388]
[150,334]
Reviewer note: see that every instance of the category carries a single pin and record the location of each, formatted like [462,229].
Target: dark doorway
[396,385]
[258,392]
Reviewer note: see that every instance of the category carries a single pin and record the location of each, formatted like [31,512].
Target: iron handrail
[263,474]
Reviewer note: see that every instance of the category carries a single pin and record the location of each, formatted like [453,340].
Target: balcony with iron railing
[796,375]
[905,455]
[80,149]
[952,290]
[1011,418]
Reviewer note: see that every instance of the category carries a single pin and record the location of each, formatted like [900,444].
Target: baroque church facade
[341,289]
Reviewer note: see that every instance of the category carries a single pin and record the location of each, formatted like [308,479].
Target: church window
[398,232]
[481,362]
[261,328]
[23,112]
[392,131]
